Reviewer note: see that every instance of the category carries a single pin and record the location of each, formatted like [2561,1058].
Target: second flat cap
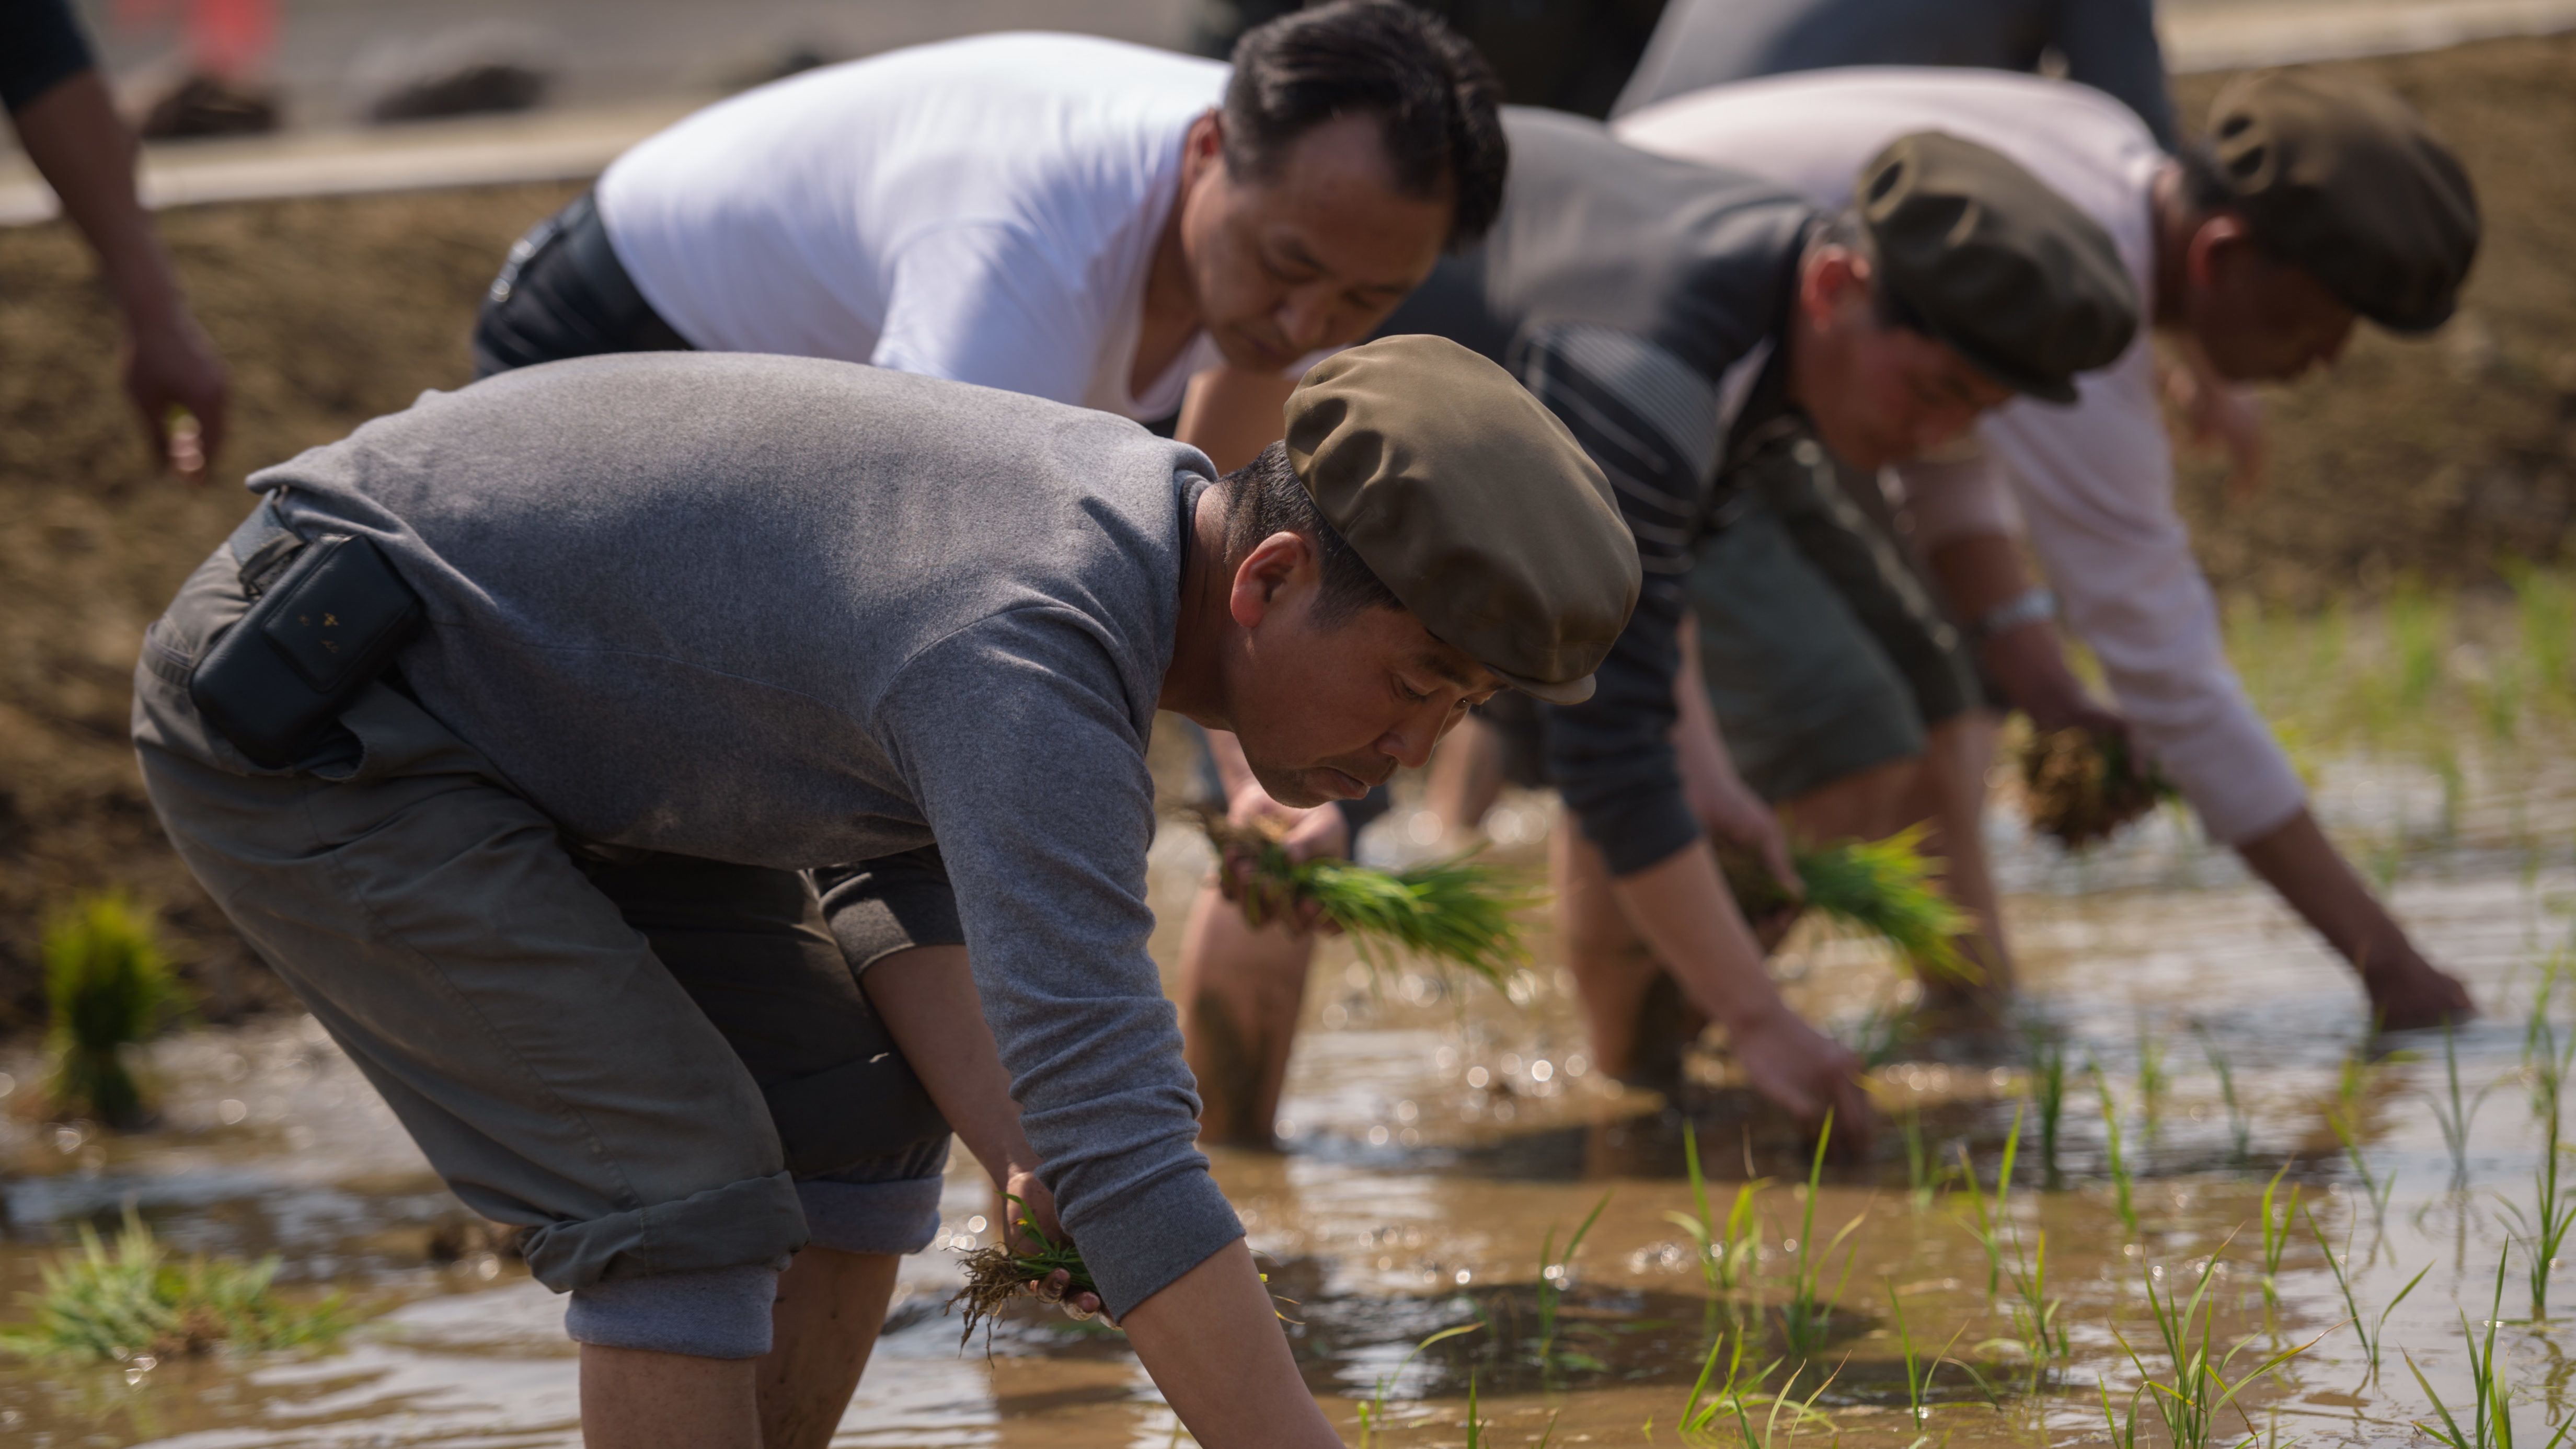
[1992,262]
[1472,504]
[2340,177]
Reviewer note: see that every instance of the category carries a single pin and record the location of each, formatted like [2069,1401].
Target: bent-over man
[769,613]
[2313,199]
[1688,324]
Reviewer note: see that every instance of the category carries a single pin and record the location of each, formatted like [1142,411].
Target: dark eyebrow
[1294,253]
[1439,664]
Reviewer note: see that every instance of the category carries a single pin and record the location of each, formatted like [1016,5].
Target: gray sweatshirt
[791,612]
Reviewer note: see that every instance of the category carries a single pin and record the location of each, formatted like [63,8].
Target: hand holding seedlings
[1884,888]
[2082,786]
[1028,1259]
[1449,912]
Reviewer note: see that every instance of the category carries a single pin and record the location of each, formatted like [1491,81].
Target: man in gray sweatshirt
[774,613]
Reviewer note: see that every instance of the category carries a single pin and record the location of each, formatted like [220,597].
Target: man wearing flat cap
[1686,324]
[771,613]
[2312,199]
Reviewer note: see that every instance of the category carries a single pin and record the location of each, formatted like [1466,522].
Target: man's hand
[1320,833]
[1804,1072]
[2407,992]
[2031,666]
[1734,816]
[173,376]
[1023,1184]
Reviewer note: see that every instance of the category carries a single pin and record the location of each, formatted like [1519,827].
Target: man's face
[1313,255]
[1326,710]
[2258,318]
[1877,393]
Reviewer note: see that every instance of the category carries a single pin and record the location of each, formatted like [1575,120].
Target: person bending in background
[1689,325]
[2313,199]
[66,121]
[1568,55]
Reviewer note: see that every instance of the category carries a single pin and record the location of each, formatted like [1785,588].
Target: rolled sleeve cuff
[2241,805]
[1136,1244]
[1638,834]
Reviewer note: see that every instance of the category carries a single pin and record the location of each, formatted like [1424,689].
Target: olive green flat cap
[2340,178]
[1986,258]
[1472,504]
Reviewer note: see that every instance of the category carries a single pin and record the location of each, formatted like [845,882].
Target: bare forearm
[2297,860]
[1211,1339]
[927,997]
[1683,908]
[86,154]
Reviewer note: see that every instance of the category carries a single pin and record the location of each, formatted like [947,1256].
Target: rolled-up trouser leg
[549,1066]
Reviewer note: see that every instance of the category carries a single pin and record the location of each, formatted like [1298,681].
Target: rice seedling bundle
[997,1273]
[2080,787]
[1885,888]
[129,1302]
[108,989]
[1451,912]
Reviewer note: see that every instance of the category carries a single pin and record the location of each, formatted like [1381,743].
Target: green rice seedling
[1373,1413]
[2373,1186]
[2491,1405]
[1724,1251]
[997,1272]
[2036,1330]
[2200,1389]
[109,990]
[1887,888]
[1739,1395]
[2048,1090]
[2240,1128]
[2276,1234]
[2153,1079]
[1925,1179]
[2455,1121]
[2369,1335]
[2545,1056]
[2419,625]
[2123,1187]
[1451,913]
[1987,1216]
[1806,1319]
[1918,1374]
[2545,1231]
[2545,611]
[129,1303]
[1712,1395]
[1475,1421]
[1555,1273]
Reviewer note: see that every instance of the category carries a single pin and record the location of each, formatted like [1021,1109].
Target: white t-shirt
[2094,481]
[983,209]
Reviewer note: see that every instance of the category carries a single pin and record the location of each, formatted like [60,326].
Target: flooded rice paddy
[1439,1144]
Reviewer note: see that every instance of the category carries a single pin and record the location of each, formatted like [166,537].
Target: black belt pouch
[312,641]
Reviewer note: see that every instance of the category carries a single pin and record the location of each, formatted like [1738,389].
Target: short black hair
[1435,98]
[1846,230]
[1264,497]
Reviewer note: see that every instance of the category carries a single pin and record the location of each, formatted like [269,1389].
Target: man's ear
[1267,574]
[1833,278]
[1203,147]
[2217,244]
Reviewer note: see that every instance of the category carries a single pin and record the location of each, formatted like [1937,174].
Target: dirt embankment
[2433,457]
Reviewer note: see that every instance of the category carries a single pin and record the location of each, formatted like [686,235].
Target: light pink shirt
[2093,482]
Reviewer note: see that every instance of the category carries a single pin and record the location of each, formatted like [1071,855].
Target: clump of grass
[1884,888]
[1739,1395]
[997,1272]
[1923,1178]
[2374,1187]
[2491,1407]
[130,1303]
[2200,1389]
[1806,1320]
[2034,1314]
[1451,912]
[2369,1336]
[109,990]
[2081,787]
[2455,1121]
[1725,1251]
[2154,1080]
[2276,1233]
[1555,1273]
[2048,1093]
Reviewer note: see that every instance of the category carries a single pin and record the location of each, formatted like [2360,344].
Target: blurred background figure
[225,45]
[2109,45]
[71,131]
[1573,55]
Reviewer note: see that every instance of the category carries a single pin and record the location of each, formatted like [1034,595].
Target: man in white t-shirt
[1068,217]
[2318,199]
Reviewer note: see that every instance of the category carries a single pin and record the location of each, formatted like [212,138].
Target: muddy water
[1437,1141]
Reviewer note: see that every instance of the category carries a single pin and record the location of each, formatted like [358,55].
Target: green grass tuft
[109,989]
[129,1301]
[1884,888]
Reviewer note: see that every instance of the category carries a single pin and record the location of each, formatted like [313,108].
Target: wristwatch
[2034,605]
